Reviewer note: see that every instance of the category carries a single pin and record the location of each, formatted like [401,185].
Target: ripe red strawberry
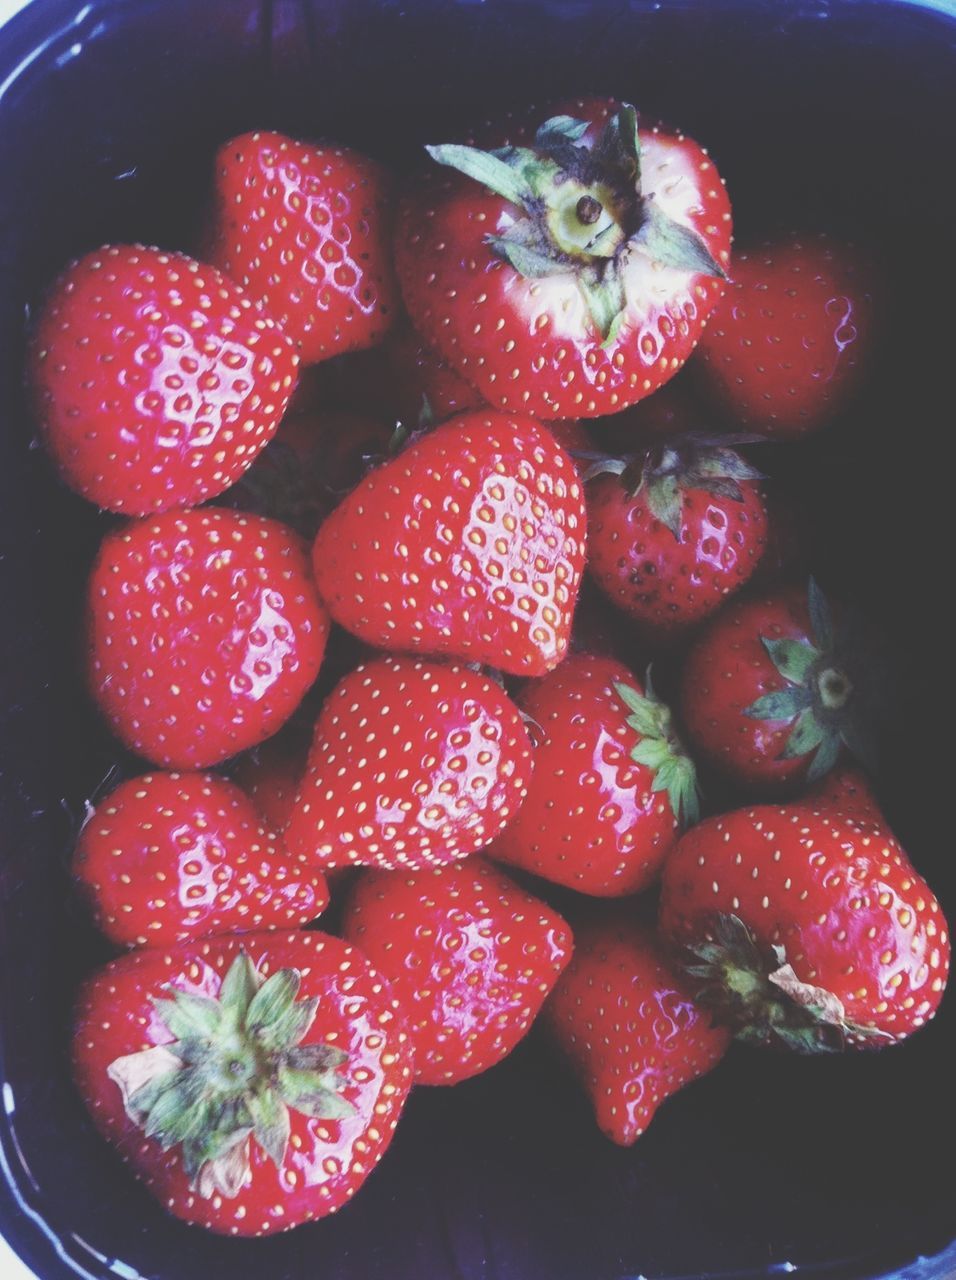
[316,457]
[808,929]
[469,955]
[271,774]
[418,376]
[172,856]
[251,1081]
[770,692]
[844,790]
[156,381]
[470,542]
[675,530]
[611,788]
[204,633]
[307,230]
[413,763]
[571,274]
[625,1019]
[786,347]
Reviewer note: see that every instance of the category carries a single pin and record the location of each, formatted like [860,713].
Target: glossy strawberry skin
[835,891]
[413,764]
[204,633]
[156,381]
[726,670]
[327,1161]
[627,1023]
[307,230]
[469,543]
[529,345]
[663,582]
[470,957]
[591,820]
[171,856]
[786,347]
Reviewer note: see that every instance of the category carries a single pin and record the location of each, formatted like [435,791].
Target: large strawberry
[172,856]
[470,956]
[204,633]
[252,1082]
[470,542]
[675,530]
[786,347]
[626,1020]
[571,274]
[612,786]
[307,230]
[772,691]
[413,763]
[156,381]
[811,930]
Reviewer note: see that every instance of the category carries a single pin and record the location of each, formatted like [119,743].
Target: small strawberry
[156,381]
[811,930]
[204,633]
[469,955]
[307,230]
[674,531]
[172,856]
[626,1021]
[786,347]
[611,788]
[470,543]
[771,692]
[413,763]
[316,457]
[571,274]
[271,774]
[844,790]
[418,376]
[252,1082]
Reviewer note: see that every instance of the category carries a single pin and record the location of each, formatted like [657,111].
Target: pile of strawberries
[366,666]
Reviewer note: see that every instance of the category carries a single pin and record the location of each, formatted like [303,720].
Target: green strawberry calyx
[753,990]
[819,697]
[660,749]
[662,473]
[235,1069]
[581,210]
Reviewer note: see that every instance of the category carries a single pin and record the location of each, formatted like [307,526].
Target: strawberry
[306,229]
[771,692]
[156,381]
[786,347]
[844,790]
[172,856]
[611,788]
[270,775]
[413,763]
[626,1021]
[204,633]
[675,530]
[469,955]
[251,1081]
[470,542]
[418,376]
[316,457]
[571,274]
[808,929]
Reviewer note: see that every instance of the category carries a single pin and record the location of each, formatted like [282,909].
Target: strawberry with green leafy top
[810,930]
[569,273]
[772,691]
[252,1082]
[675,530]
[612,786]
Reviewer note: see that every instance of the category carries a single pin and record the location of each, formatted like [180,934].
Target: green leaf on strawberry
[661,750]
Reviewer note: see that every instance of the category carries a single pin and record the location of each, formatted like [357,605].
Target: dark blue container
[839,115]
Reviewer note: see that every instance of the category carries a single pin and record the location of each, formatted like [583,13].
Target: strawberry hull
[839,116]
